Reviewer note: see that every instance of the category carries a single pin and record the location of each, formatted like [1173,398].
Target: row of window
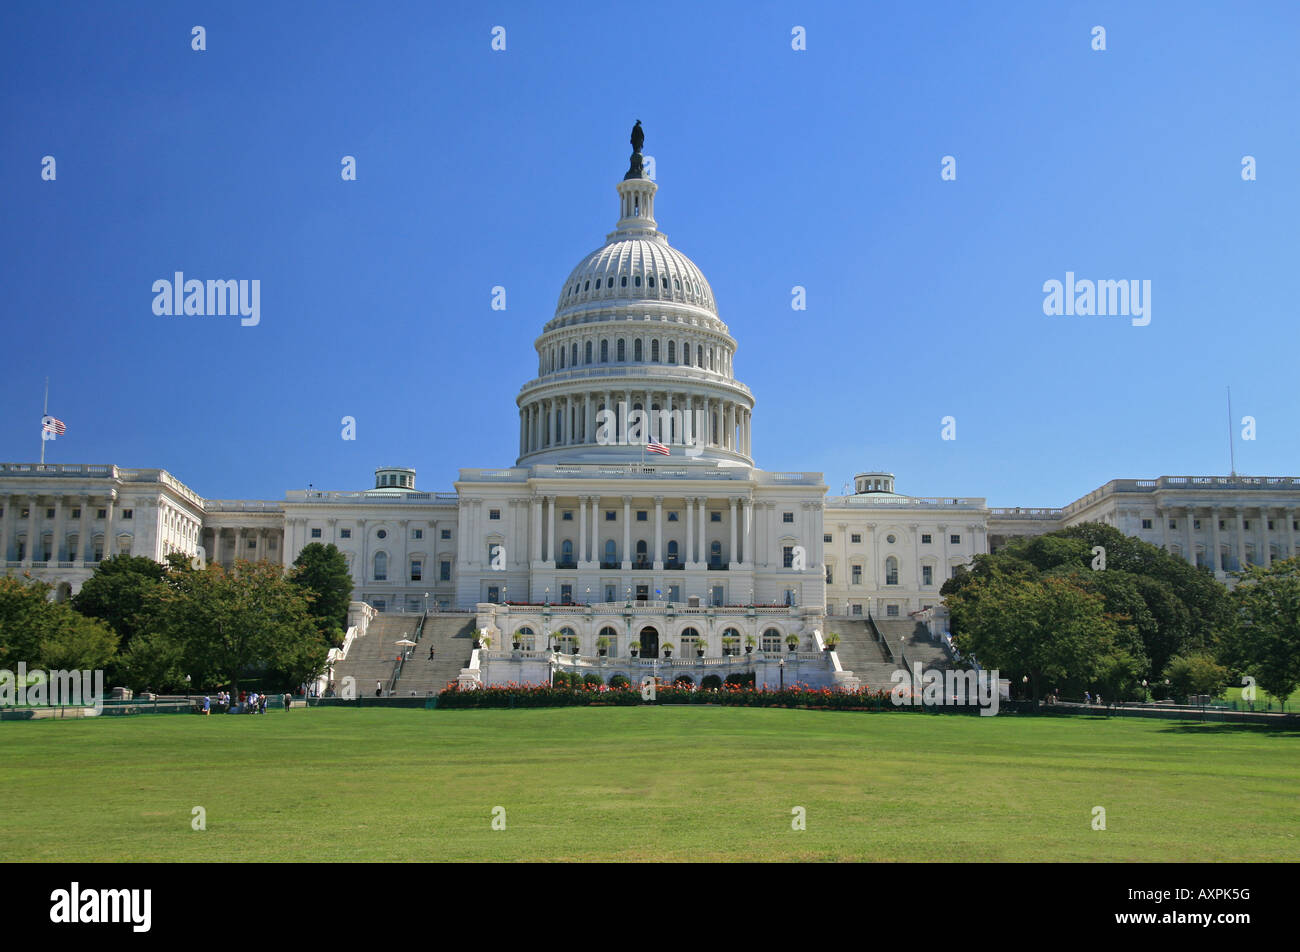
[691,285]
[416,569]
[891,611]
[416,534]
[26,512]
[707,358]
[855,538]
[1224,524]
[891,573]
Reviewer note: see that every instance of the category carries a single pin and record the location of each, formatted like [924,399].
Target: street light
[781,668]
[426,603]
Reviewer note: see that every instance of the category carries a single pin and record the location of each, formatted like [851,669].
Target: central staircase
[452,638]
[372,656]
[874,661]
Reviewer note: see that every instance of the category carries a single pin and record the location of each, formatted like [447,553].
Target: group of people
[249,702]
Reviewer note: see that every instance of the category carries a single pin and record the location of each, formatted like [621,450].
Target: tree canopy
[321,571]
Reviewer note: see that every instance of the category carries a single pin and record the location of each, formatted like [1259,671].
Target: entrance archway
[649,642]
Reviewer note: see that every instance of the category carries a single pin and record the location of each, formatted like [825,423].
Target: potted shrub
[668,649]
[634,647]
[478,638]
[699,648]
[793,641]
[729,645]
[602,646]
[749,644]
[832,640]
[486,640]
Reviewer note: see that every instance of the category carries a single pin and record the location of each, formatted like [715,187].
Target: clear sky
[819,168]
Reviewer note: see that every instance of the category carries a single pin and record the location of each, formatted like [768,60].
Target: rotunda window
[587,286]
[652,280]
[637,279]
[382,534]
[890,539]
[624,282]
[598,284]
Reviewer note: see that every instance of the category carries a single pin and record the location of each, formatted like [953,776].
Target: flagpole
[44,414]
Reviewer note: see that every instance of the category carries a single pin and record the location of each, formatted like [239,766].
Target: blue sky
[776,168]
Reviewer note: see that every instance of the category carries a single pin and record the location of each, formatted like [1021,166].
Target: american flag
[656,447]
[51,424]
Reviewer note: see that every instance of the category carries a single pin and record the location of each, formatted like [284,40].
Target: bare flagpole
[44,414]
[1232,448]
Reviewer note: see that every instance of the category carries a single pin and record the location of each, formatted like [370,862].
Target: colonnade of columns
[674,418]
[1245,527]
[22,539]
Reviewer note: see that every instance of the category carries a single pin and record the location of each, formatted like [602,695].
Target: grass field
[653,783]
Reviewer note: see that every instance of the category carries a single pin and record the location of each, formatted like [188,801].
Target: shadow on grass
[1219,727]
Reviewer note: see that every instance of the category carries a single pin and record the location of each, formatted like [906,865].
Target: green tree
[49,635]
[1049,629]
[322,572]
[227,625]
[1266,639]
[1196,673]
[119,595]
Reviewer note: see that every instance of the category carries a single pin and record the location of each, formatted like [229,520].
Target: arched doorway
[649,642]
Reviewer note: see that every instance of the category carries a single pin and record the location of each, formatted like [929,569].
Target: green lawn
[653,783]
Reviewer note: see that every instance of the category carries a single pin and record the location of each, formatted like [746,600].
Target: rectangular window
[715,517]
[444,571]
[856,538]
[787,517]
[565,515]
[611,515]
[857,609]
[345,533]
[717,596]
[76,513]
[674,593]
[787,556]
[1270,525]
[252,544]
[830,578]
[857,575]
[126,513]
[49,513]
[1146,523]
[446,533]
[1245,523]
[417,534]
[1222,525]
[494,594]
[1196,524]
[672,517]
[609,593]
[99,513]
[315,533]
[925,538]
[954,539]
[826,537]
[891,611]
[952,572]
[927,575]
[271,544]
[642,515]
[417,570]
[566,594]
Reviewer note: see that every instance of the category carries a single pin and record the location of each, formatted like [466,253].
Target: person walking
[288,700]
[379,689]
[207,705]
[430,652]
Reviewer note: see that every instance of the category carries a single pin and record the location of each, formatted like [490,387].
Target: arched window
[573,355]
[686,354]
[604,351]
[623,283]
[636,351]
[891,571]
[611,554]
[672,552]
[637,280]
[381,566]
[690,638]
[561,357]
[587,354]
[672,352]
[652,280]
[566,551]
[771,640]
[641,552]
[612,636]
[622,351]
[526,638]
[654,351]
[715,554]
[568,641]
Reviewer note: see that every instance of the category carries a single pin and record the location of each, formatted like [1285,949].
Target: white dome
[636,269]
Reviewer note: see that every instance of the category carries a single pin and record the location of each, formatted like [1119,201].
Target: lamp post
[187,689]
[426,603]
[547,599]
[588,596]
[781,668]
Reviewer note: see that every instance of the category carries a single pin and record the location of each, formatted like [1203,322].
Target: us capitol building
[636,350]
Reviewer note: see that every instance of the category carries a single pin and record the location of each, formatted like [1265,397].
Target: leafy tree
[49,635]
[118,594]
[230,624]
[1196,673]
[322,571]
[1266,639]
[1047,629]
